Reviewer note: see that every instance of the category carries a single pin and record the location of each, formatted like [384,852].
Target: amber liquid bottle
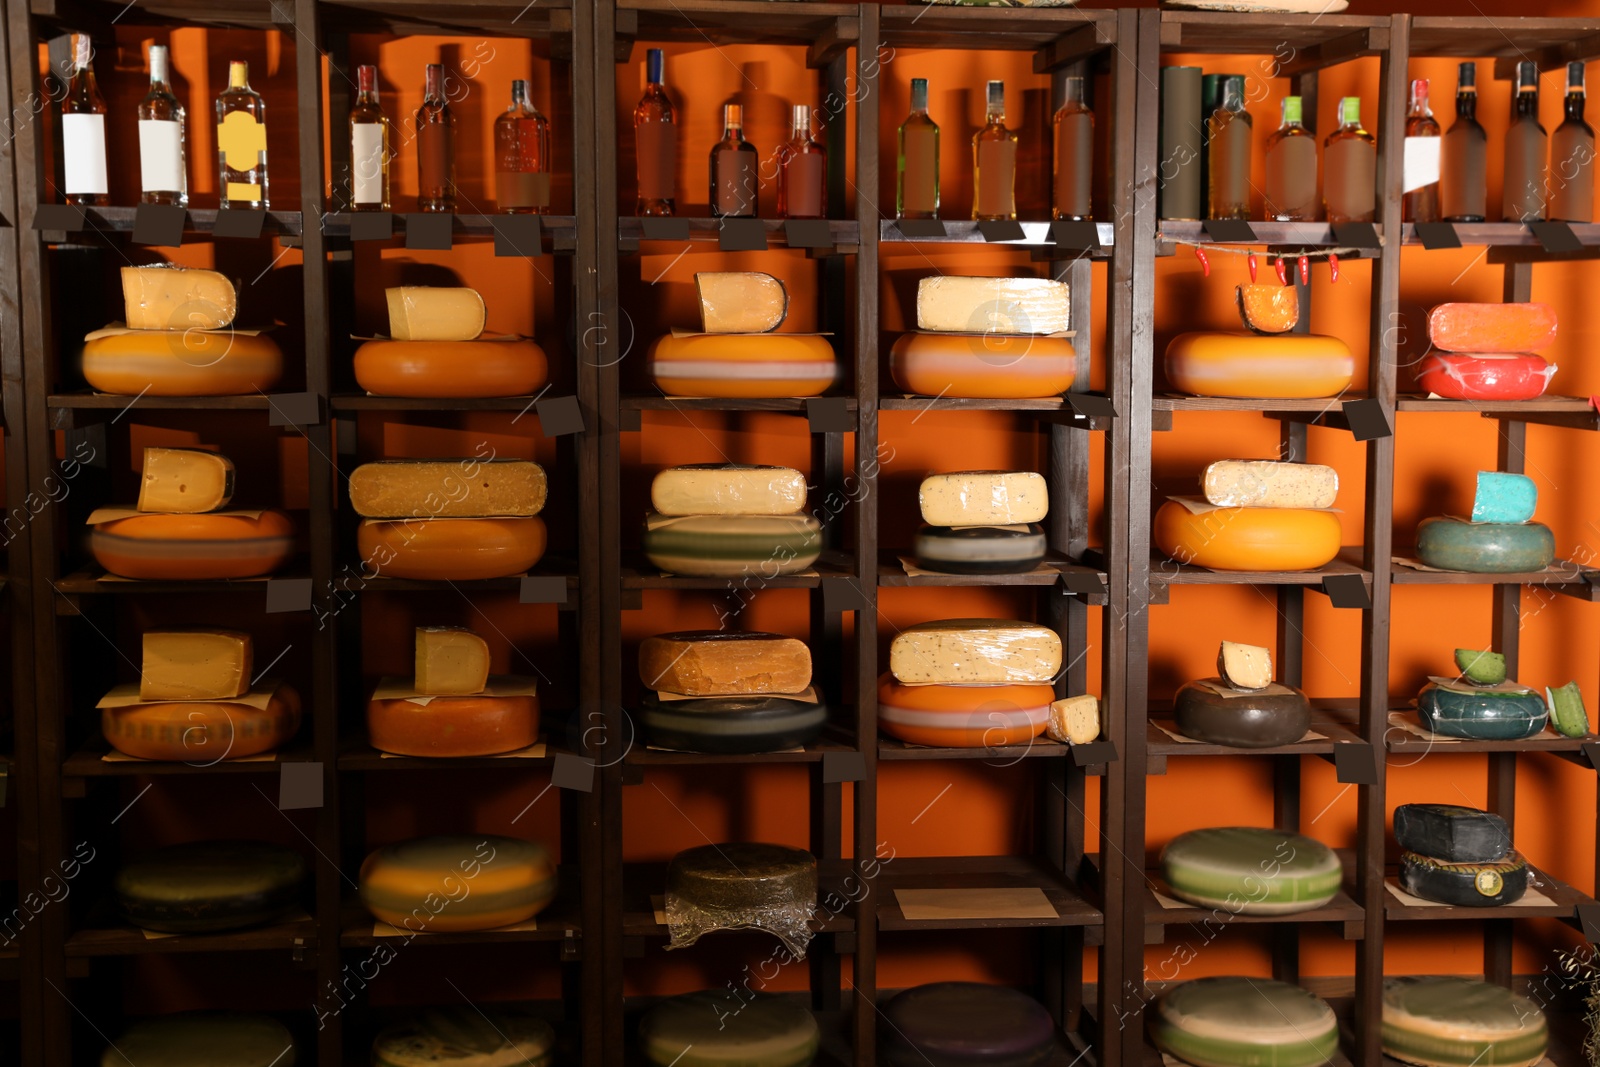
[655,142]
[734,166]
[1526,145]
[369,145]
[994,162]
[802,171]
[83,132]
[1572,157]
[1291,193]
[1228,132]
[1350,168]
[1074,162]
[436,146]
[1422,152]
[242,141]
[917,168]
[521,156]
[1463,162]
[163,178]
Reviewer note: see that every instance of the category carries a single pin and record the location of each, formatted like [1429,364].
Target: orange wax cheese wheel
[743,365]
[195,665]
[162,297]
[453,726]
[986,366]
[963,716]
[438,550]
[1492,327]
[456,883]
[202,731]
[452,370]
[181,363]
[193,547]
[1287,366]
[1247,539]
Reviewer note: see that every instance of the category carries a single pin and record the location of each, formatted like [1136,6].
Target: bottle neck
[1420,108]
[1232,100]
[1573,105]
[732,123]
[919,96]
[995,114]
[1467,102]
[520,100]
[433,85]
[1073,94]
[1293,112]
[1527,103]
[367,85]
[800,125]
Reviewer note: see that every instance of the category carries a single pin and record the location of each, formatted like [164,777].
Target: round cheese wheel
[451,369]
[1491,376]
[439,550]
[1228,1021]
[1265,718]
[731,546]
[1247,539]
[1283,366]
[469,1036]
[989,366]
[963,716]
[1445,1021]
[1486,884]
[743,886]
[206,886]
[1485,547]
[182,363]
[456,883]
[202,731]
[981,549]
[453,726]
[193,547]
[743,365]
[965,1024]
[1483,715]
[714,1028]
[731,724]
[1251,870]
[204,1039]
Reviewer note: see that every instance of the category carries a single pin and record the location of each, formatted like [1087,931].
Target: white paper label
[83,153]
[366,162]
[160,156]
[1422,162]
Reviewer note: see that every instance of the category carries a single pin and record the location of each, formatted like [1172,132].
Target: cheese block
[450,661]
[732,546]
[209,886]
[1247,539]
[424,313]
[447,488]
[727,489]
[950,304]
[457,883]
[743,365]
[1210,711]
[1485,547]
[1286,366]
[1228,1021]
[177,298]
[1490,376]
[1452,833]
[724,663]
[1244,666]
[1074,720]
[983,366]
[1504,497]
[193,547]
[975,652]
[1492,327]
[983,498]
[980,549]
[965,1024]
[1567,713]
[745,886]
[740,301]
[202,731]
[1260,483]
[1481,668]
[1460,1022]
[1269,308]
[1481,714]
[453,726]
[181,363]
[1250,870]
[731,725]
[204,1039]
[450,370]
[195,665]
[717,1028]
[963,716]
[185,480]
[472,1035]
[451,550]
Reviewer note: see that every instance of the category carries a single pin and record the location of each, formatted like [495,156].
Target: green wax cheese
[466,1037]
[1481,668]
[1228,1021]
[1482,715]
[714,1028]
[1461,1022]
[205,886]
[1567,713]
[1485,547]
[1251,871]
[203,1039]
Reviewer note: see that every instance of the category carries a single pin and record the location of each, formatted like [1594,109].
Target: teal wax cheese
[1503,497]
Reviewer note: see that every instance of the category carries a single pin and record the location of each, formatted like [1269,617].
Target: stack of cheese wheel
[736,354]
[1226,1021]
[452,706]
[1251,871]
[178,531]
[730,521]
[1002,338]
[1458,855]
[1500,537]
[725,692]
[966,1024]
[716,1028]
[1263,361]
[1486,351]
[743,886]
[436,348]
[457,883]
[1482,704]
[468,1036]
[179,339]
[449,520]
[1447,1021]
[1244,707]
[195,702]
[204,1039]
[208,886]
[1257,515]
[982,522]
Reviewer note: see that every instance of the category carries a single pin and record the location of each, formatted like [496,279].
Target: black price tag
[542,589]
[559,416]
[843,767]
[430,231]
[288,594]
[841,595]
[1438,235]
[67,217]
[573,772]
[742,235]
[1367,420]
[238,222]
[371,225]
[1356,235]
[517,235]
[829,414]
[1591,752]
[1589,919]
[1084,583]
[1078,235]
[294,409]
[1092,405]
[299,786]
[915,228]
[1237,231]
[808,233]
[1556,237]
[995,230]
[1347,591]
[659,229]
[1094,754]
[1354,763]
[159,224]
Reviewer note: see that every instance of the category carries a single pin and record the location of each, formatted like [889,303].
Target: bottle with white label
[83,132]
[369,145]
[163,176]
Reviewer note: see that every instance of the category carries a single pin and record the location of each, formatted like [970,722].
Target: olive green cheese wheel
[1229,1021]
[466,1037]
[204,1039]
[206,886]
[1486,884]
[1250,870]
[1264,718]
[1481,714]
[1485,547]
[1460,1022]
[730,546]
[714,1028]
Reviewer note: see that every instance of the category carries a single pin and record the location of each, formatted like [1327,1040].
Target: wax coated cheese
[950,304]
[963,716]
[1488,884]
[740,301]
[457,883]
[453,726]
[718,1028]
[1247,539]
[1269,308]
[451,369]
[1480,667]
[423,313]
[1448,1021]
[195,665]
[185,480]
[1567,713]
[1244,666]
[449,488]
[732,546]
[1481,714]
[1451,832]
[181,363]
[743,366]
[451,661]
[724,663]
[471,1035]
[975,652]
[207,886]
[1489,376]
[1283,366]
[1504,497]
[983,498]
[981,549]
[1227,1021]
[1250,870]
[727,489]
[1485,547]
[442,550]
[984,366]
[731,725]
[203,732]
[1213,712]
[1260,483]
[965,1024]
[203,1039]
[1492,327]
[193,547]
[177,298]
[1074,720]
[742,886]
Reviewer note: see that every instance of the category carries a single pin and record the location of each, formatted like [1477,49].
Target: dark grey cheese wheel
[965,1024]
[717,1028]
[980,549]
[204,1039]
[1267,718]
[1451,832]
[731,724]
[1466,885]
[205,886]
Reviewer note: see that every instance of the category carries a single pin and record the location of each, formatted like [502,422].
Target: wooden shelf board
[87,763]
[107,402]
[1482,38]
[227,14]
[641,755]
[992,28]
[1041,747]
[1341,909]
[559,232]
[356,402]
[1504,234]
[1035,235]
[1239,33]
[1052,408]
[200,220]
[1402,742]
[556,566]
[1178,402]
[1073,908]
[358,755]
[1166,572]
[641,881]
[657,402]
[735,21]
[639,574]
[1564,904]
[124,940]
[1572,412]
[1292,234]
[500,18]
[892,573]
[845,233]
[1564,574]
[556,923]
[95,580]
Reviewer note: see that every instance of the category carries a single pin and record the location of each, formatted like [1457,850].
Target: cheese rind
[453,726]
[732,546]
[1446,1021]
[1485,547]
[1260,483]
[1485,376]
[1244,666]
[983,498]
[437,550]
[177,298]
[204,1039]
[1209,711]
[727,489]
[1451,832]
[195,665]
[965,1024]
[723,663]
[1074,720]
[1488,884]
[1250,870]
[451,369]
[1463,327]
[185,480]
[208,886]
[1014,306]
[981,549]
[455,488]
[193,547]
[1224,1021]
[181,363]
[1247,539]
[740,301]
[486,881]
[975,652]
[1272,366]
[731,725]
[202,732]
[1504,497]
[963,716]
[451,661]
[424,313]
[468,1036]
[743,366]
[1481,668]
[719,1028]
[984,366]
[1567,713]
[1481,715]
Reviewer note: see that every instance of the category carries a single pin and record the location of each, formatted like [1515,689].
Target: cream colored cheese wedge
[950,304]
[451,661]
[740,301]
[424,313]
[185,481]
[195,665]
[177,298]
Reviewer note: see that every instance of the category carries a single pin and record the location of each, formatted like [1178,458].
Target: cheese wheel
[743,365]
[1485,547]
[208,886]
[975,652]
[1481,884]
[983,498]
[737,725]
[179,363]
[1282,366]
[166,297]
[963,716]
[1247,539]
[716,1028]
[1451,832]
[741,886]
[1489,376]
[984,366]
[193,547]
[202,731]
[452,884]
[204,1039]
[450,370]
[1497,327]
[965,1024]
[448,488]
[1481,714]
[727,489]
[1265,718]
[468,1036]
[459,550]
[1460,1022]
[732,546]
[1250,870]
[1227,1021]
[980,549]
[453,726]
[724,663]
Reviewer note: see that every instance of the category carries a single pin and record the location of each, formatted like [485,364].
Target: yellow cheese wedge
[975,652]
[728,489]
[451,661]
[177,298]
[185,481]
[447,488]
[983,498]
[1244,666]
[740,301]
[422,313]
[949,304]
[195,665]
[1074,720]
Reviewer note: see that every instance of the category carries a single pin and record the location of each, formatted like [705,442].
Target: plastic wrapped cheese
[1260,483]
[951,304]
[742,887]
[471,1035]
[724,663]
[1486,376]
[983,498]
[727,489]
[975,652]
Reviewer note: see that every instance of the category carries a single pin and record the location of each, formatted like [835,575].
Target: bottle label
[736,183]
[160,156]
[83,154]
[997,179]
[657,146]
[523,189]
[366,163]
[805,180]
[241,140]
[1422,162]
[919,190]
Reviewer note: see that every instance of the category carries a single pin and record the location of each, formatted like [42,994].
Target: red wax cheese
[193,547]
[451,369]
[963,716]
[1485,376]
[202,731]
[453,726]
[1492,327]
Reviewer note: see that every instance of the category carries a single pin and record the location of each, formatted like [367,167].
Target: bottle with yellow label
[241,142]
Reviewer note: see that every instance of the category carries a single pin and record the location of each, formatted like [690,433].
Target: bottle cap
[997,96]
[1575,75]
[367,78]
[733,114]
[519,88]
[1293,110]
[919,94]
[1467,75]
[1527,76]
[1419,90]
[158,62]
[1233,88]
[1349,111]
[652,65]
[238,73]
[802,118]
[82,51]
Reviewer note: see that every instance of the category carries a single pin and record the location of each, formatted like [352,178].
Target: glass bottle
[436,145]
[994,161]
[1291,189]
[1074,162]
[1522,200]
[734,189]
[1463,164]
[83,132]
[369,145]
[1421,157]
[1228,132]
[242,141]
[655,139]
[522,156]
[1350,168]
[917,170]
[1572,157]
[163,177]
[802,171]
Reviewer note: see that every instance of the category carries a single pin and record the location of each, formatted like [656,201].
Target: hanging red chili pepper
[1305,270]
[1251,260]
[1205,264]
[1333,267]
[1282,267]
